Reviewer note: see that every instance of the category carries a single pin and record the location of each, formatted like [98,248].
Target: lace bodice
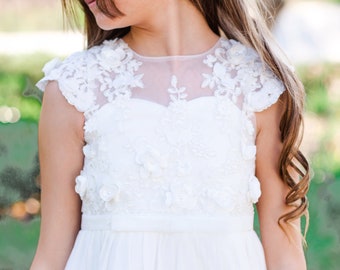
[167,135]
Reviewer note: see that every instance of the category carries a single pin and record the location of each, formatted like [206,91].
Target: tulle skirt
[155,244]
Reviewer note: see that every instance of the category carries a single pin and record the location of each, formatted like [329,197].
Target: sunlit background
[31,33]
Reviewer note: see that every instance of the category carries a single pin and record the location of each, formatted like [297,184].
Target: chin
[105,23]
[105,27]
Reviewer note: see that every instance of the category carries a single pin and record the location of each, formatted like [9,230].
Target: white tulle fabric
[168,181]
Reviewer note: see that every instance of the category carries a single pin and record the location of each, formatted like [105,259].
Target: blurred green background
[19,169]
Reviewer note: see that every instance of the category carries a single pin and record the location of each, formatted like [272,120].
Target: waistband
[166,223]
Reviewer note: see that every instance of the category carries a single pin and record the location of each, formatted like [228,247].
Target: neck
[180,30]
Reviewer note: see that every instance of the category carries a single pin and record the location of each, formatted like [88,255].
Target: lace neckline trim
[172,57]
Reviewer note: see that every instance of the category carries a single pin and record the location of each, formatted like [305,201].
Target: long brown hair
[241,20]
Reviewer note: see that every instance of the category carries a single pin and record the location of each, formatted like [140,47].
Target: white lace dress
[168,180]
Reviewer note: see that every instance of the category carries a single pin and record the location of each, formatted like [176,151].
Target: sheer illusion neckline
[172,57]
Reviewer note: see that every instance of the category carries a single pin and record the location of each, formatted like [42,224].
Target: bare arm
[281,252]
[61,159]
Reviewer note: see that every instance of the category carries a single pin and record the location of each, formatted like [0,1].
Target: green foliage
[323,99]
[17,79]
[323,236]
[18,142]
[18,241]
[317,96]
[18,155]
[12,89]
[29,65]
[19,165]
[317,80]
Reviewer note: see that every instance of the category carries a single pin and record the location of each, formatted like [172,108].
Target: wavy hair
[244,21]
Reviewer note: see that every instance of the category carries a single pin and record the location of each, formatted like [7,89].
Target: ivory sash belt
[166,223]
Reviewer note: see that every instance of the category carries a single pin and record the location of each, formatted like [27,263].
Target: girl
[157,140]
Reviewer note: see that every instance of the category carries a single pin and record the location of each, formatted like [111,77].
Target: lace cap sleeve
[263,88]
[71,77]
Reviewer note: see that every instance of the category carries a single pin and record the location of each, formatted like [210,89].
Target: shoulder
[65,71]
[77,75]
[259,85]
[81,61]
[69,76]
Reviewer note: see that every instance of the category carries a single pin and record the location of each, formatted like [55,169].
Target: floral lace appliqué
[185,158]
[116,58]
[177,94]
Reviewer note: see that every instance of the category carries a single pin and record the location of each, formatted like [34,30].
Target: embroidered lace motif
[170,135]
